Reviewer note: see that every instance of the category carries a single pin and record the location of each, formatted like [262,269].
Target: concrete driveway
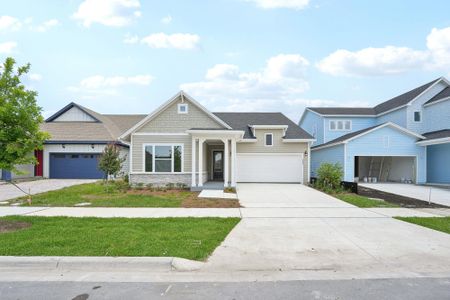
[293,228]
[8,191]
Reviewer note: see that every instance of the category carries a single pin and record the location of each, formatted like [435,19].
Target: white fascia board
[298,140]
[269,126]
[159,133]
[349,116]
[430,87]
[327,146]
[436,102]
[218,134]
[434,142]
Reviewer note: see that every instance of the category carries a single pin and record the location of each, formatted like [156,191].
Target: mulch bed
[10,226]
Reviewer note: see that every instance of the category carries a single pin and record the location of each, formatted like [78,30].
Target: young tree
[329,176]
[110,161]
[20,118]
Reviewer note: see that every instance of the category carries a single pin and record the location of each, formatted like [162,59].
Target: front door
[217,165]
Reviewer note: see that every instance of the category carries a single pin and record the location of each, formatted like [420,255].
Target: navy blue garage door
[75,166]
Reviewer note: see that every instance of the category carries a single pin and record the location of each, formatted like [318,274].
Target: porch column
[226,154]
[233,163]
[194,142]
[200,162]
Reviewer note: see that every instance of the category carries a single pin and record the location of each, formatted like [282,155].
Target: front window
[417,116]
[163,158]
[269,139]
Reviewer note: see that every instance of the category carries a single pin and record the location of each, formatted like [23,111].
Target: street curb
[152,264]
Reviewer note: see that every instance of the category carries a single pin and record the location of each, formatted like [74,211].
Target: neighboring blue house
[405,139]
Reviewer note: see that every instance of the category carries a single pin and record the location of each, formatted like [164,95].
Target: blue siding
[6,175]
[75,165]
[436,117]
[313,124]
[397,116]
[357,124]
[438,163]
[327,155]
[373,144]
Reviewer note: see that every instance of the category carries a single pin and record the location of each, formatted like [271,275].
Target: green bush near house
[329,177]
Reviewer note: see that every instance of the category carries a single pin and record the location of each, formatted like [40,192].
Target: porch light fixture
[92,146]
[63,146]
[306,153]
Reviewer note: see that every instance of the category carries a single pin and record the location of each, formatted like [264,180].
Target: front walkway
[420,192]
[9,191]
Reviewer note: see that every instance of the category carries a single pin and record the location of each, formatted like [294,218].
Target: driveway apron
[291,227]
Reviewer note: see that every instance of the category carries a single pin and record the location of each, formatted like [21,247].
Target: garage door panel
[269,168]
[75,166]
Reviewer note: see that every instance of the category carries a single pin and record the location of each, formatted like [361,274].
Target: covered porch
[213,158]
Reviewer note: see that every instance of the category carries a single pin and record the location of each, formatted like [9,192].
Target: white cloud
[131,39]
[46,25]
[115,13]
[373,61]
[183,41]
[390,59]
[35,77]
[227,88]
[167,19]
[271,4]
[438,42]
[7,47]
[99,81]
[9,23]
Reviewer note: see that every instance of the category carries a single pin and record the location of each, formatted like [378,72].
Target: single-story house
[180,142]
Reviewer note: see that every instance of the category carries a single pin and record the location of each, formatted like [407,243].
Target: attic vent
[182,108]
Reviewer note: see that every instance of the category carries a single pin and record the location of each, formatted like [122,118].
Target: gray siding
[139,140]
[171,121]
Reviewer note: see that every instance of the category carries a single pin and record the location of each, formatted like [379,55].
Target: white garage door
[269,167]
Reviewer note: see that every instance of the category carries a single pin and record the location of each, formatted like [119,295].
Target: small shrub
[139,186]
[122,185]
[229,190]
[181,186]
[149,186]
[126,178]
[170,186]
[329,177]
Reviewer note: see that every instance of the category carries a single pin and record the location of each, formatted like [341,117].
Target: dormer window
[182,108]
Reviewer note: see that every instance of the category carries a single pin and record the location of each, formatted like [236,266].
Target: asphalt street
[392,289]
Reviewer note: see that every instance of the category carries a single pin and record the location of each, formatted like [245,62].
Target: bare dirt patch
[10,226]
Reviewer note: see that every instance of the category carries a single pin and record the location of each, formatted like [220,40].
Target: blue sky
[129,56]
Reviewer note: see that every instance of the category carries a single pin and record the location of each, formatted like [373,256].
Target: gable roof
[445,93]
[357,111]
[243,121]
[162,107]
[106,128]
[69,106]
[386,106]
[353,135]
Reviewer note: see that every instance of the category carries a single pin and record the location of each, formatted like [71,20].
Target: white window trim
[335,121]
[414,116]
[153,158]
[265,139]
[183,105]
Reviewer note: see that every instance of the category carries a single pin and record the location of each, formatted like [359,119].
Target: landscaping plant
[329,177]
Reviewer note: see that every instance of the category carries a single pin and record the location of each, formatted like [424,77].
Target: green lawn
[191,238]
[362,201]
[436,223]
[98,195]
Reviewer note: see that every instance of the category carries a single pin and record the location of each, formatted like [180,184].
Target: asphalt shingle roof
[347,136]
[395,102]
[242,120]
[439,134]
[445,93]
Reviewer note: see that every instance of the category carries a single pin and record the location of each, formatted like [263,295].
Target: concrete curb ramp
[104,264]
